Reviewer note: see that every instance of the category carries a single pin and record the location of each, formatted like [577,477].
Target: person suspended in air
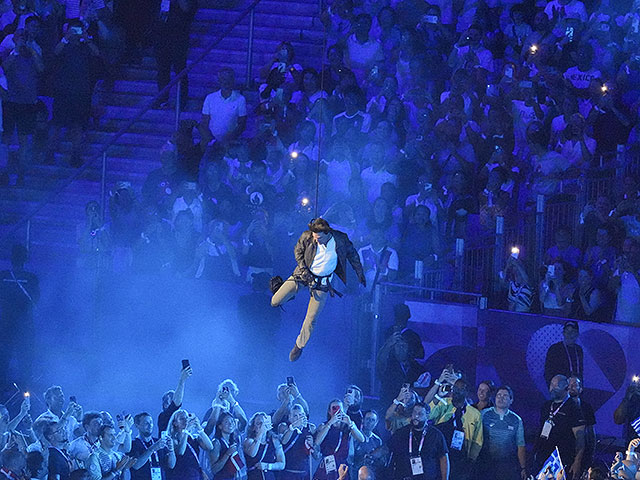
[320,252]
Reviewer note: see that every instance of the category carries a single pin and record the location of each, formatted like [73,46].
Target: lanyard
[264,452]
[571,370]
[156,459]
[411,442]
[554,413]
[9,474]
[339,443]
[292,442]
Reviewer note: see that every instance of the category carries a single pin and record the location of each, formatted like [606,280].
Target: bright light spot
[294,154]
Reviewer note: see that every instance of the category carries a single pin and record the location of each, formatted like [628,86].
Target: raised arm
[178,396]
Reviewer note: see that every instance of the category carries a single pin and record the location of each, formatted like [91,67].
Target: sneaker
[295,353]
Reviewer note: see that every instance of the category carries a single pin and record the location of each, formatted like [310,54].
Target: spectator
[503,454]
[556,292]
[626,282]
[173,44]
[575,145]
[520,293]
[486,395]
[82,447]
[565,357]
[283,64]
[353,402]
[461,425]
[188,437]
[22,70]
[330,439]
[262,449]
[628,410]
[364,452]
[77,61]
[590,303]
[599,259]
[13,462]
[19,295]
[298,444]
[380,262]
[563,250]
[351,120]
[561,427]
[172,399]
[59,462]
[288,395]
[153,455]
[106,463]
[420,242]
[363,53]
[431,449]
[395,367]
[401,317]
[224,112]
[565,9]
[189,199]
[575,392]
[54,398]
[469,51]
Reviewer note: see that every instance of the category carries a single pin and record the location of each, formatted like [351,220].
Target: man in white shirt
[380,262]
[363,52]
[320,252]
[224,112]
[54,397]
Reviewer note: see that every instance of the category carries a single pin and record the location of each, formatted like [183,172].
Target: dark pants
[171,54]
[17,346]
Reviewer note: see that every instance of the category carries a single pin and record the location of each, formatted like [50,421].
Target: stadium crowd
[430,431]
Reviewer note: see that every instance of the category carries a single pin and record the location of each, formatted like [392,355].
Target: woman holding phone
[333,439]
[262,449]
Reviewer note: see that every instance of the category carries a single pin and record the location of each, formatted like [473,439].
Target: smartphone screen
[185,363]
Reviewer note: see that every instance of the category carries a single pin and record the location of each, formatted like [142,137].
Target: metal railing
[102,154]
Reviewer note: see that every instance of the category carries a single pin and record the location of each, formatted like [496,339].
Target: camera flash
[294,154]
[604,88]
[534,48]
[27,394]
[304,201]
[515,250]
[635,379]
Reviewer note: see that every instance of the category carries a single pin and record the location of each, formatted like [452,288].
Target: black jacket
[305,252]
[557,362]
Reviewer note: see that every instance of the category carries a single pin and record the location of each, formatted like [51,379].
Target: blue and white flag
[552,468]
[636,425]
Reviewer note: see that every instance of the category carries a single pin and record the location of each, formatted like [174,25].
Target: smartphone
[72,398]
[515,252]
[551,270]
[335,409]
[406,386]
[430,18]
[291,381]
[569,33]
[76,30]
[27,395]
[185,363]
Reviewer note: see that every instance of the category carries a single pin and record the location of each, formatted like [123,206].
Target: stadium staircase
[52,230]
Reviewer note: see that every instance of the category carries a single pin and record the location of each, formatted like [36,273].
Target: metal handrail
[144,109]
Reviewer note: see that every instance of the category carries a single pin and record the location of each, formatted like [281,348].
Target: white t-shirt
[581,79]
[373,181]
[363,55]
[224,112]
[196,208]
[628,307]
[338,175]
[71,423]
[485,57]
[370,258]
[326,259]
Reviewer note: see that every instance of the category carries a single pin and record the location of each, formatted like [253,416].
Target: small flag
[636,425]
[552,468]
